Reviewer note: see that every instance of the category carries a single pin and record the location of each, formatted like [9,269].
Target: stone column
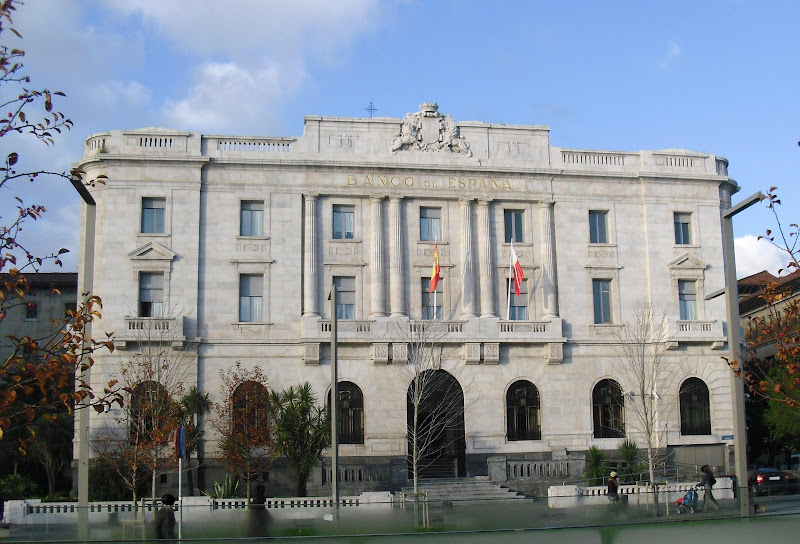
[547,243]
[486,262]
[396,276]
[377,273]
[468,277]
[310,258]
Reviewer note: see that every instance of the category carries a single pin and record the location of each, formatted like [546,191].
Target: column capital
[546,203]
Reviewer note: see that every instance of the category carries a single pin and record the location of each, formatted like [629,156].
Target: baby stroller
[687,502]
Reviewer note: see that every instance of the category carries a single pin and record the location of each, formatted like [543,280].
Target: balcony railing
[697,331]
[152,329]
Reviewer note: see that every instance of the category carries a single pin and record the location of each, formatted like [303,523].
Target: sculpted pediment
[429,130]
[152,251]
[687,261]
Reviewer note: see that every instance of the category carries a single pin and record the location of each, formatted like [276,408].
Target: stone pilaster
[487,286]
[396,275]
[310,258]
[547,242]
[377,273]
[467,259]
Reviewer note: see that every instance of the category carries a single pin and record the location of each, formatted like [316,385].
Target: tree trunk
[302,480]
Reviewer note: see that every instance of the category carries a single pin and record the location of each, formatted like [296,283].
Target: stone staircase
[462,489]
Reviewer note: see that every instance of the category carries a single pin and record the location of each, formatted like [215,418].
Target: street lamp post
[737,386]
[86,285]
[334,403]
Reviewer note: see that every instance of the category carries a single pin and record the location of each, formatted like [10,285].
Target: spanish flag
[435,270]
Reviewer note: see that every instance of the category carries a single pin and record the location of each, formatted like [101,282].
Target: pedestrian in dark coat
[164,522]
[707,483]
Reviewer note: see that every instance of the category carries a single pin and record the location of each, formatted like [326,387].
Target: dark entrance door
[435,416]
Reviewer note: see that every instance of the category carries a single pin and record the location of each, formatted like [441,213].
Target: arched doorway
[435,401]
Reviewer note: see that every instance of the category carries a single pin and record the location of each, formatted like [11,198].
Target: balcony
[681,331]
[152,330]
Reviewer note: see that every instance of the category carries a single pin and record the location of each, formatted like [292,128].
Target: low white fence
[34,511]
[571,496]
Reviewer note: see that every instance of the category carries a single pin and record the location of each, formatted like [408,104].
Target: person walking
[613,488]
[707,482]
[164,521]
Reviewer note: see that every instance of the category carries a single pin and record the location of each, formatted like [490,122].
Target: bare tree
[642,342]
[435,419]
[155,379]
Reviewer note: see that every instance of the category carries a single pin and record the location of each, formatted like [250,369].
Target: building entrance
[435,417]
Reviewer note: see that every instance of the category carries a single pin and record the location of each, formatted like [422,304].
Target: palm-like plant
[302,431]
[192,407]
[595,470]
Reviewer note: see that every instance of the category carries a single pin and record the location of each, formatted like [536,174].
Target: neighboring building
[236,241]
[50,297]
[753,307]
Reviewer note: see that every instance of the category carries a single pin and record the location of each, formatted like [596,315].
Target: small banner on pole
[180,442]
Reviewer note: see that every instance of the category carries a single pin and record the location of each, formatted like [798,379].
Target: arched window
[608,410]
[522,409]
[151,412]
[350,418]
[695,407]
[250,401]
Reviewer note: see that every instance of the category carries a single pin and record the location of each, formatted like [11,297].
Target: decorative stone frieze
[380,354]
[311,354]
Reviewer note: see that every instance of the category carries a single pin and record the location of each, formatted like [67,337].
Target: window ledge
[684,246]
[594,244]
[250,324]
[604,326]
[345,240]
[250,238]
[153,234]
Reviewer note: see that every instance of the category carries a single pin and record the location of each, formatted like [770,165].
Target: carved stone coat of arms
[429,130]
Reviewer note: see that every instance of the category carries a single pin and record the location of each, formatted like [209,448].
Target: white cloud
[672,55]
[228,98]
[754,255]
[253,28]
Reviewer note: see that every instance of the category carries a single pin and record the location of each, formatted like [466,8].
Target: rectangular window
[687,299]
[430,224]
[513,225]
[251,292]
[153,212]
[343,222]
[251,219]
[345,297]
[431,306]
[597,227]
[518,309]
[683,228]
[151,294]
[601,291]
[32,311]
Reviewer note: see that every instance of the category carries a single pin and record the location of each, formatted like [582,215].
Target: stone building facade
[236,242]
[50,297]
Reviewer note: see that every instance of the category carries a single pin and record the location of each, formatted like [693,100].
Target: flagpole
[510,279]
[435,288]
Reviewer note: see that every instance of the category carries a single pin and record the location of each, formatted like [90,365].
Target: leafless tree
[155,378]
[642,342]
[435,398]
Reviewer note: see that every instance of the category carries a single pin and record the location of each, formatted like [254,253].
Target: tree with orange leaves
[772,369]
[38,377]
[243,422]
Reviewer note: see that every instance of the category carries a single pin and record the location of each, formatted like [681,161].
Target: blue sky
[719,76]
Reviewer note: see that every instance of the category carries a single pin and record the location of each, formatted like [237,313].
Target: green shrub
[18,486]
[596,466]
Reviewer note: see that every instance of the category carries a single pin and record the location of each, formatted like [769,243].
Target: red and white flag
[516,271]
